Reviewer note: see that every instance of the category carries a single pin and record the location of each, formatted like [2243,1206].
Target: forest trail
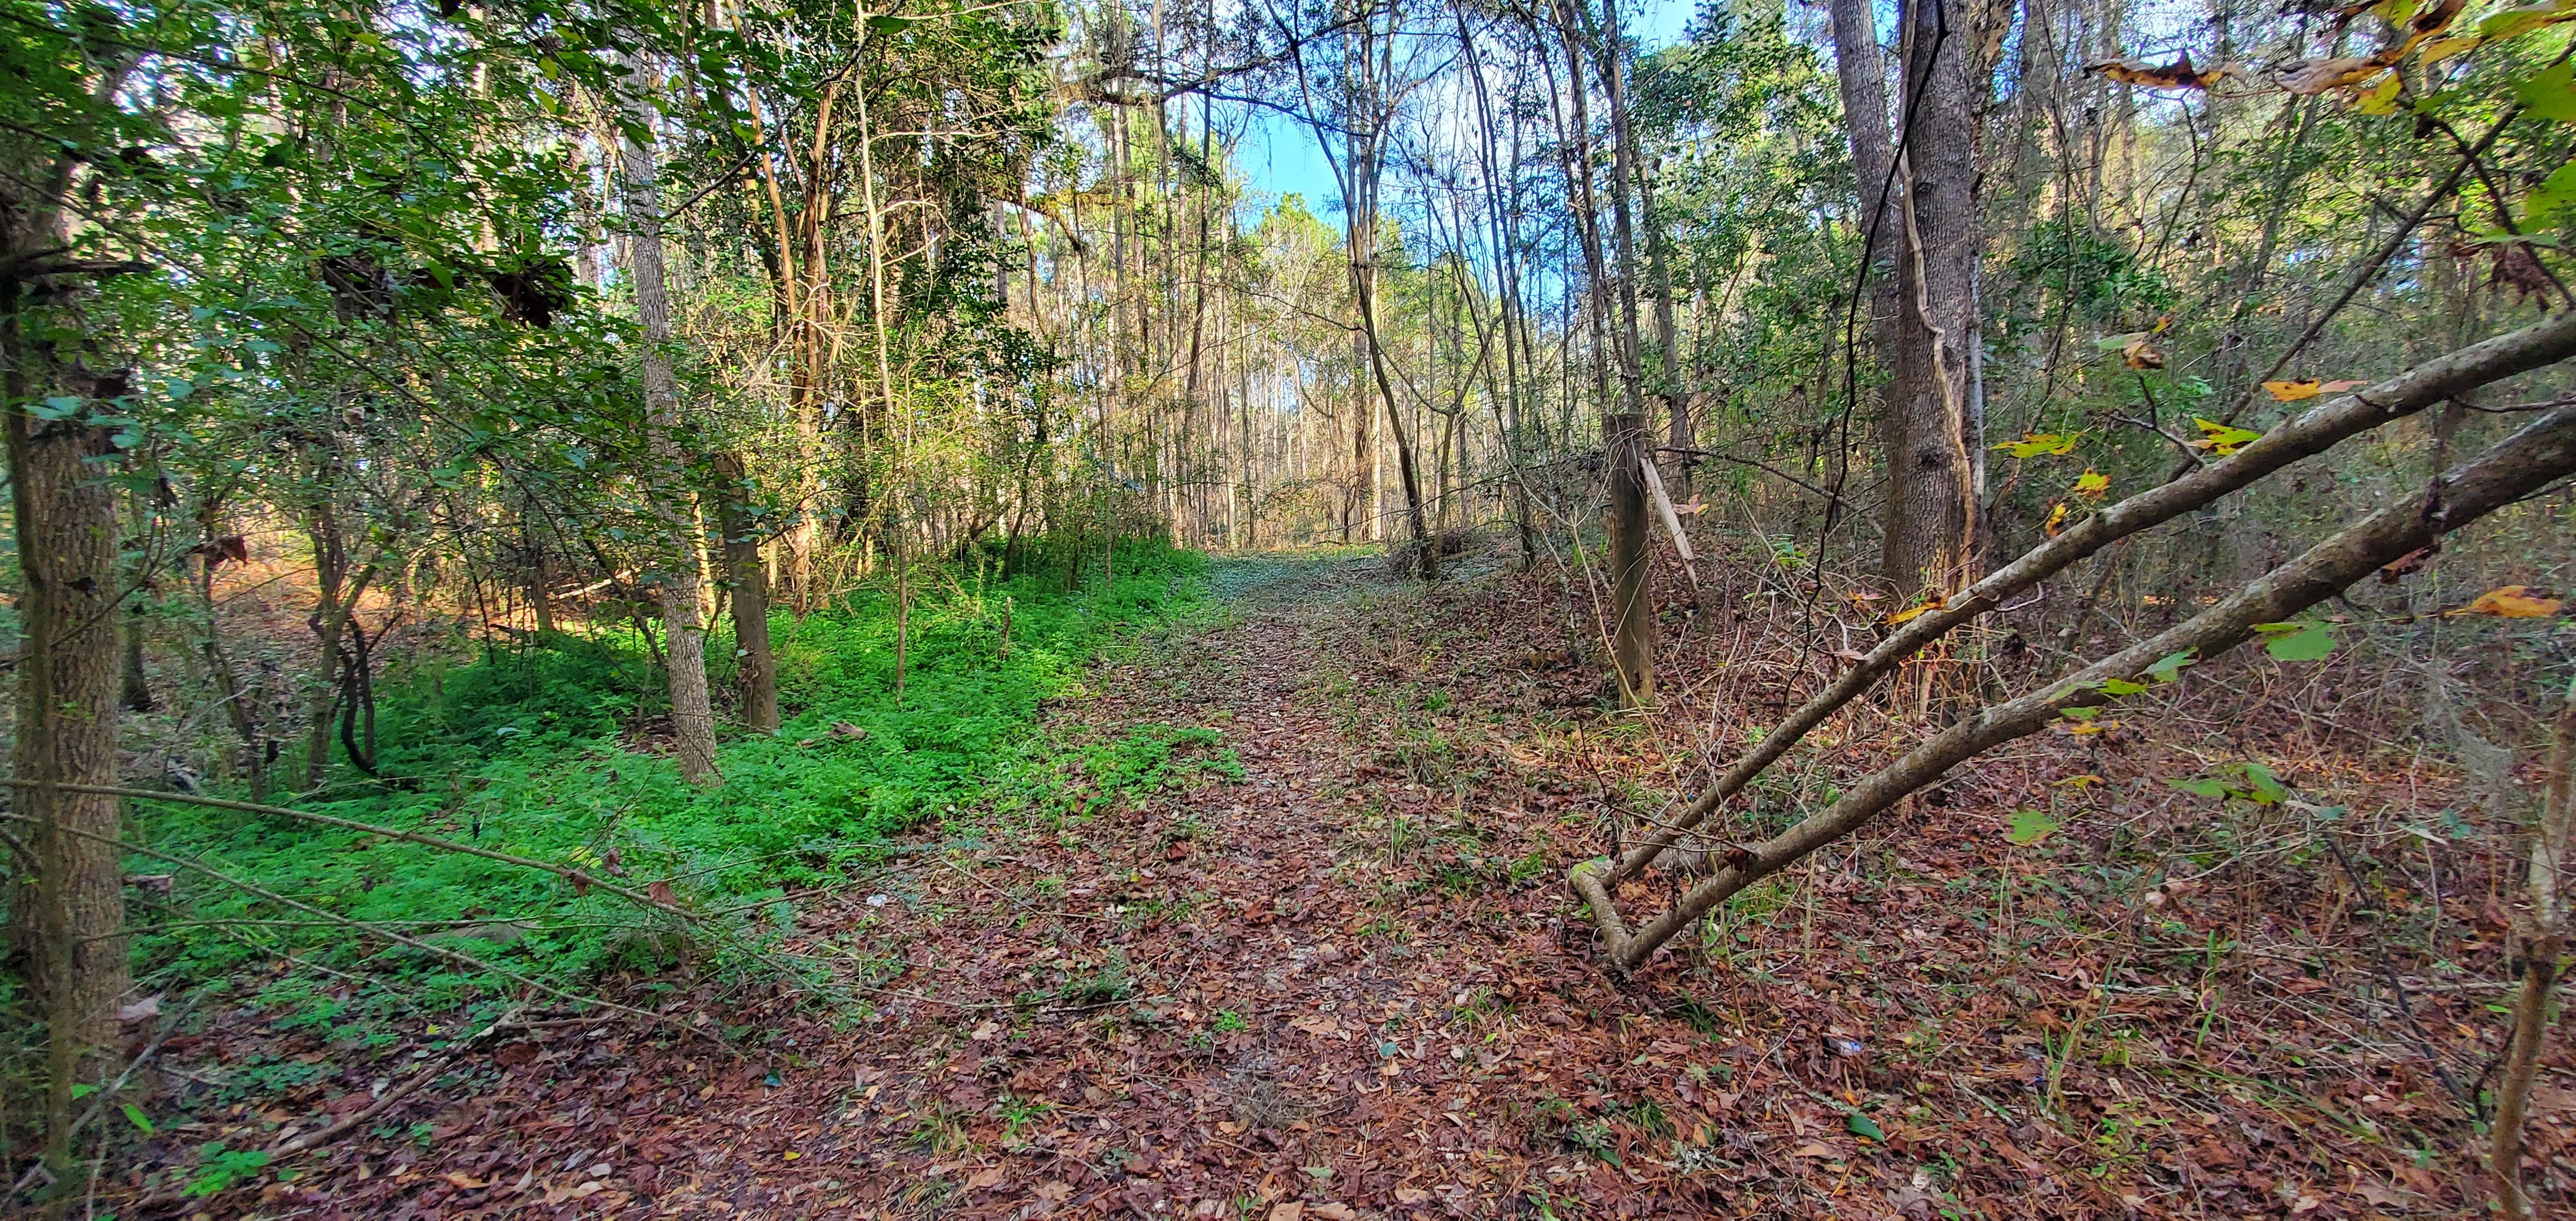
[1344,982]
[1236,1018]
[1243,997]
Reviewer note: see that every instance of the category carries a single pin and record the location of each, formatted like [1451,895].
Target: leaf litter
[1332,974]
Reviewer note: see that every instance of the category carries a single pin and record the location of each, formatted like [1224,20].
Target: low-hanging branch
[2515,468]
[2313,432]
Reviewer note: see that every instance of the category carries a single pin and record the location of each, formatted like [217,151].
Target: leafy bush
[520,752]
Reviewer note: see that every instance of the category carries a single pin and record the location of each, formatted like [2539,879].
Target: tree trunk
[138,686]
[541,580]
[1632,602]
[1862,72]
[1506,403]
[693,722]
[65,921]
[1936,425]
[336,598]
[2540,936]
[1623,172]
[749,578]
[1363,162]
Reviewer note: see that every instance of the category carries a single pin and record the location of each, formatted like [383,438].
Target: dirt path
[1288,942]
[1318,989]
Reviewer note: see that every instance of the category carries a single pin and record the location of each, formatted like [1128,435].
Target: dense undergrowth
[534,751]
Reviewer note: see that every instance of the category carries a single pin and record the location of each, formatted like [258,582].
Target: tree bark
[2540,937]
[336,597]
[693,722]
[749,578]
[138,686]
[1622,228]
[541,579]
[1862,71]
[65,920]
[1671,382]
[1364,159]
[1632,602]
[1506,402]
[1937,425]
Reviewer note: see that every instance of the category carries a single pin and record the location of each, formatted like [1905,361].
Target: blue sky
[1279,157]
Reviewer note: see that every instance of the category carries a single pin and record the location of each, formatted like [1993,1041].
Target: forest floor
[1328,970]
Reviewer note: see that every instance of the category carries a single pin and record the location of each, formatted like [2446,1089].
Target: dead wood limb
[386,1101]
[2466,1097]
[579,878]
[2542,940]
[2313,432]
[2513,469]
[114,1089]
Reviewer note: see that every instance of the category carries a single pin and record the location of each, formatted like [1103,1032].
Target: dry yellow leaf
[2176,75]
[2291,392]
[2308,78]
[1903,615]
[2380,98]
[2513,602]
[2443,48]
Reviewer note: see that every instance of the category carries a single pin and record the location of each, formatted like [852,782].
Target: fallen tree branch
[2466,1097]
[114,1088]
[2313,432]
[386,1101]
[2527,460]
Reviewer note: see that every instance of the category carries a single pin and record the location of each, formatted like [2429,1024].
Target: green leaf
[1863,1125]
[888,23]
[2122,686]
[2029,827]
[2223,439]
[2203,787]
[2547,204]
[2039,443]
[2514,21]
[2550,92]
[2312,642]
[80,1091]
[179,388]
[2262,787]
[2169,667]
[58,407]
[2079,714]
[142,1123]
